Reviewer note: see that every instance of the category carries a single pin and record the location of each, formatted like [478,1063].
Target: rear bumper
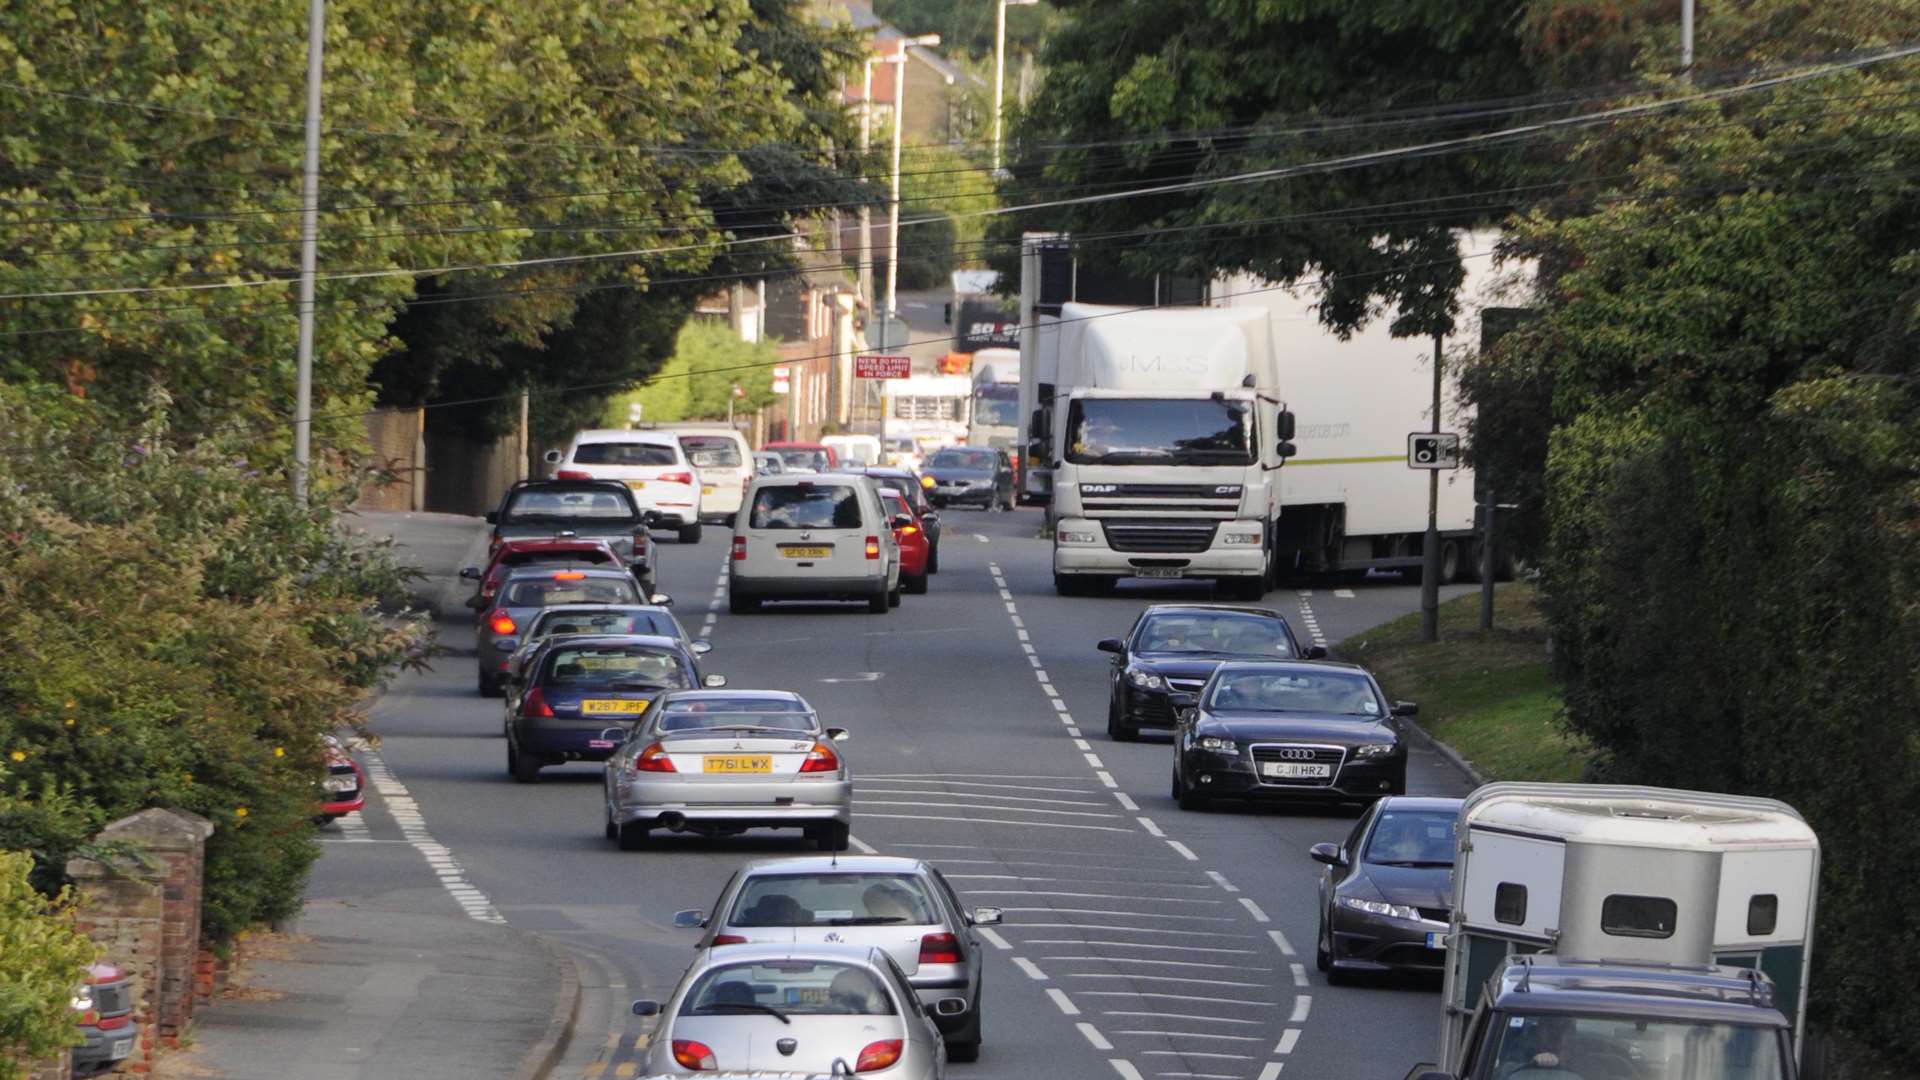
[104,1047]
[567,743]
[806,588]
[733,802]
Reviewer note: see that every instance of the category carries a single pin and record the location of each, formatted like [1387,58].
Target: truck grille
[1321,755]
[1164,535]
[1226,492]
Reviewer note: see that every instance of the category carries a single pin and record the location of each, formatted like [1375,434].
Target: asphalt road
[1141,941]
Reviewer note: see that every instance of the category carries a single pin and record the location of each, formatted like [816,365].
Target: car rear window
[962,459]
[708,713]
[614,453]
[811,506]
[613,665]
[607,622]
[711,451]
[548,505]
[795,987]
[833,900]
[1233,633]
[594,554]
[805,459]
[552,590]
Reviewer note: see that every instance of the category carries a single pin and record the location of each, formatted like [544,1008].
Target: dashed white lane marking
[1254,910]
[1027,648]
[1299,974]
[1005,595]
[994,939]
[1344,594]
[1017,624]
[1061,999]
[862,846]
[1307,616]
[1220,879]
[1107,779]
[1126,800]
[1280,939]
[1082,744]
[1152,829]
[1289,1039]
[1124,1068]
[1301,1006]
[982,538]
[1010,608]
[1023,634]
[1271,1071]
[1094,760]
[1184,851]
[1093,1035]
[1033,971]
[1073,731]
[413,830]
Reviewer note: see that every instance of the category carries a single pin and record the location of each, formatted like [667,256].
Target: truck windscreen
[996,405]
[1144,431]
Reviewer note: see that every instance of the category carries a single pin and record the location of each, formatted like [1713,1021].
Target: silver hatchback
[903,906]
[717,762]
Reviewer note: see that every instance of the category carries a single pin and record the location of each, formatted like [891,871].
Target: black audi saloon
[1172,648]
[1295,730]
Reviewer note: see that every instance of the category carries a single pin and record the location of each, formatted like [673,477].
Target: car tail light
[877,1055]
[113,1023]
[572,474]
[697,1056]
[873,547]
[502,623]
[939,949]
[821,759]
[739,549]
[654,759]
[729,939]
[89,1018]
[570,575]
[535,704]
[675,478]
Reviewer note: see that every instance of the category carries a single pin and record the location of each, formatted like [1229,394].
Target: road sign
[882,367]
[1433,450]
[781,375]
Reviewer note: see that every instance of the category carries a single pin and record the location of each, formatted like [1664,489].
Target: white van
[724,462]
[651,463]
[813,536]
[854,449]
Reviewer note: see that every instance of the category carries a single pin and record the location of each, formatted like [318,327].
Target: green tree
[708,361]
[966,26]
[43,957]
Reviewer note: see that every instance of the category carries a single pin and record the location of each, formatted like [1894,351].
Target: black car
[1387,894]
[971,475]
[1173,648]
[581,694]
[909,483]
[1298,730]
[583,508]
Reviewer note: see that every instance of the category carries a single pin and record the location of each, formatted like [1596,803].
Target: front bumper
[1365,942]
[955,495]
[1221,777]
[1141,708]
[733,803]
[1099,559]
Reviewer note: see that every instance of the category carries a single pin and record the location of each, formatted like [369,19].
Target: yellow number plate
[706,489]
[602,707]
[737,763]
[636,484]
[806,552]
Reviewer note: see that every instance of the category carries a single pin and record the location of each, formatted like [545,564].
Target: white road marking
[1122,914]
[1061,999]
[1027,648]
[1126,800]
[981,795]
[1023,877]
[1073,730]
[1082,744]
[1254,910]
[1067,719]
[864,676]
[862,846]
[1299,974]
[413,830]
[1010,608]
[994,939]
[1090,895]
[1093,1035]
[1047,687]
[1288,1040]
[1042,675]
[1127,929]
[1301,1006]
[1136,945]
[1179,997]
[1157,963]
[1185,851]
[1152,829]
[1022,633]
[1271,1071]
[1344,594]
[1280,939]
[1221,880]
[1193,1054]
[956,776]
[1306,613]
[982,538]
[1094,760]
[1033,971]
[863,801]
[1192,1035]
[1136,977]
[996,821]
[1124,1068]
[1004,594]
[1058,705]
[1017,624]
[1107,779]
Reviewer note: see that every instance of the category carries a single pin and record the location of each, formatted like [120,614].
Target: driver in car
[1538,1051]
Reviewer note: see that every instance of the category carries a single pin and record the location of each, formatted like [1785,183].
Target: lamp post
[309,229]
[866,212]
[899,58]
[1000,67]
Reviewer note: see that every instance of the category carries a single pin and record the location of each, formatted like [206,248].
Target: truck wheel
[689,534]
[1449,561]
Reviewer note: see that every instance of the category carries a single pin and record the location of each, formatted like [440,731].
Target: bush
[43,957]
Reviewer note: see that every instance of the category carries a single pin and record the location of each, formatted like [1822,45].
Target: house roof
[885,35]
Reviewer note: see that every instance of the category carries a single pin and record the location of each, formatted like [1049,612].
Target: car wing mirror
[1316,652]
[702,647]
[690,919]
[470,573]
[901,521]
[644,1007]
[1327,853]
[553,457]
[1406,708]
[1112,645]
[660,599]
[714,682]
[986,916]
[838,734]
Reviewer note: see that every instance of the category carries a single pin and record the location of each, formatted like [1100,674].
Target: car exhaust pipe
[673,822]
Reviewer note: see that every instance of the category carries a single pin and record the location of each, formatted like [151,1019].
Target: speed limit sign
[1433,450]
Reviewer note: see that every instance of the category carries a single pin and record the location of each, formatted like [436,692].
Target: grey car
[904,906]
[1386,898]
[588,508]
[971,475]
[719,763]
[794,1009]
[528,591]
[644,619]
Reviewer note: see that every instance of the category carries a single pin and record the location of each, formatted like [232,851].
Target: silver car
[530,589]
[718,763]
[794,1008]
[599,619]
[901,905]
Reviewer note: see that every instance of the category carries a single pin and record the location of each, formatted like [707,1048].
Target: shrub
[43,957]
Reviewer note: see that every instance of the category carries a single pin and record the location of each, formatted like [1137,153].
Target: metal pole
[1430,549]
[999,73]
[309,229]
[866,211]
[893,201]
[1486,561]
[1686,39]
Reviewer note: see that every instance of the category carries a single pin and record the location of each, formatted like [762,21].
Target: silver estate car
[794,1009]
[901,905]
[717,763]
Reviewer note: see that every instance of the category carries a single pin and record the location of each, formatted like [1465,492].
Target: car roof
[828,864]
[596,609]
[577,641]
[795,446]
[553,543]
[750,695]
[809,479]
[1546,984]
[606,435]
[1296,665]
[567,485]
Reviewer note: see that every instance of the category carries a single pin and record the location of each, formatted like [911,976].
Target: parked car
[813,456]
[964,475]
[1173,648]
[904,906]
[719,764]
[600,620]
[914,487]
[651,464]
[343,791]
[720,457]
[1386,897]
[525,592]
[511,555]
[1312,730]
[575,509]
[770,463]
[822,537]
[103,1007]
[577,700]
[912,538]
[794,1009]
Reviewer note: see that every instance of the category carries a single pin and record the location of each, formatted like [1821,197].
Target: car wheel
[612,830]
[893,598]
[834,836]
[633,836]
[1323,946]
[1116,729]
[524,767]
[689,534]
[1188,798]
[490,686]
[741,605]
[917,584]
[878,603]
[933,559]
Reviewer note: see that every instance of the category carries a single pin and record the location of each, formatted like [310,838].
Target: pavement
[436,544]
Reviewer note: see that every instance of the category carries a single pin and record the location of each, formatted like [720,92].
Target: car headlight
[1146,680]
[1216,744]
[1240,538]
[1374,750]
[1073,536]
[1379,907]
[340,783]
[82,1000]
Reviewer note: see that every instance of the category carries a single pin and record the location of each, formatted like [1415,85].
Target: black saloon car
[1387,894]
[1292,730]
[584,508]
[582,694]
[1173,648]
[974,475]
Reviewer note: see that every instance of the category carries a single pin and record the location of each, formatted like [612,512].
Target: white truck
[994,417]
[1666,931]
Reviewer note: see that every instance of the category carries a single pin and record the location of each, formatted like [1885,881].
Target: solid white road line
[980,795]
[1254,909]
[1299,974]
[1091,895]
[861,801]
[1061,999]
[997,821]
[1180,997]
[1156,963]
[1124,1068]
[1193,1054]
[1122,914]
[1221,880]
[1167,979]
[1344,594]
[1085,881]
[1182,1016]
[1192,1035]
[1133,945]
[862,846]
[1125,929]
[1271,1071]
[1093,1035]
[1280,939]
[1032,970]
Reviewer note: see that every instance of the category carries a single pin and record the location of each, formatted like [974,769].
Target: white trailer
[1628,876]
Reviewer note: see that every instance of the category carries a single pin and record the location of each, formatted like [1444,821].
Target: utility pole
[866,212]
[1686,40]
[1000,69]
[899,60]
[309,230]
[1430,549]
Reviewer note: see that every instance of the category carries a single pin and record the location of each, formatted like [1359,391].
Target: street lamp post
[1000,68]
[866,212]
[899,58]
[309,229]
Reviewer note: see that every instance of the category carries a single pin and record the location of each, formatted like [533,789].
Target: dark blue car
[581,694]
[971,475]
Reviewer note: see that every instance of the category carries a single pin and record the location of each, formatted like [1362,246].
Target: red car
[511,554]
[913,540]
[344,790]
[805,455]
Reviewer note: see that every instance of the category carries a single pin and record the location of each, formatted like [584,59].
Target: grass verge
[1485,693]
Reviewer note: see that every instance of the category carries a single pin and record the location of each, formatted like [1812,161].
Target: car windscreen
[833,900]
[895,503]
[617,453]
[1297,691]
[1404,837]
[1210,632]
[805,459]
[554,623]
[981,460]
[1597,1046]
[547,506]
[711,451]
[1180,431]
[552,590]
[809,506]
[996,404]
[613,665]
[792,987]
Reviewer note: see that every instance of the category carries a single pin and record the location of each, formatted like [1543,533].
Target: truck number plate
[1288,770]
[1160,571]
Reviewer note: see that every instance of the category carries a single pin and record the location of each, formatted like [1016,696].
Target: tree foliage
[708,361]
[43,956]
[966,26]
